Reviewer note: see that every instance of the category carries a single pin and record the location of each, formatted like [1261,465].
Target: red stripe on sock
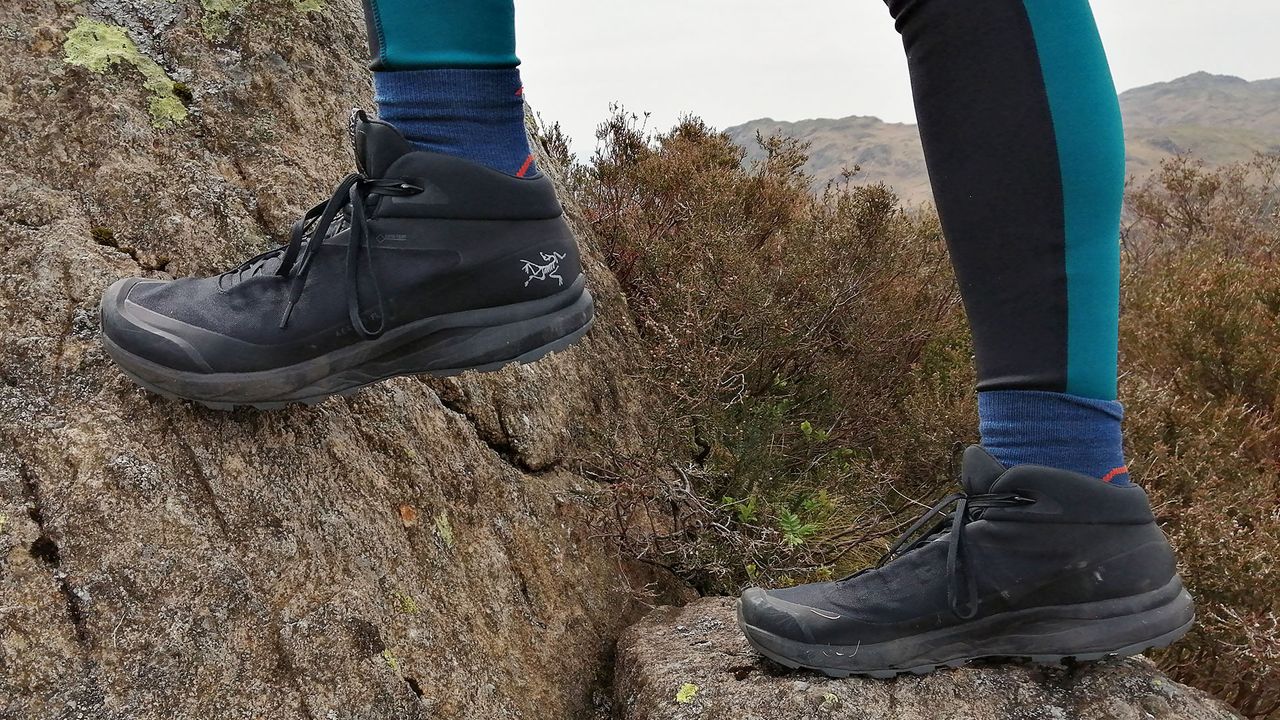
[1115,472]
[520,91]
[525,167]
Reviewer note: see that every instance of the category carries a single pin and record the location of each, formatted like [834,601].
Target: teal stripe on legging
[424,34]
[1090,139]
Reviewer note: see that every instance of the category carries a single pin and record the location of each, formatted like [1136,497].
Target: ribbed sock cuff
[475,114]
[1069,432]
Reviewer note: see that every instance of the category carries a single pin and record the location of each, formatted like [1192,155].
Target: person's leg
[447,250]
[1023,140]
[1035,558]
[445,74]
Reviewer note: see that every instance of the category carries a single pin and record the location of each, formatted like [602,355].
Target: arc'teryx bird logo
[550,268]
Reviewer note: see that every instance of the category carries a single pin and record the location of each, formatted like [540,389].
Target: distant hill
[1218,118]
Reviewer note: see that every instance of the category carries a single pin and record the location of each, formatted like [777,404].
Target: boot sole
[483,340]
[1052,636]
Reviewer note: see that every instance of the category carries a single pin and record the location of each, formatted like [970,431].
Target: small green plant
[748,510]
[818,504]
[686,693]
[813,435]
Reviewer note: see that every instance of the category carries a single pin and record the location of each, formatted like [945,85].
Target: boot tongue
[979,471]
[377,144]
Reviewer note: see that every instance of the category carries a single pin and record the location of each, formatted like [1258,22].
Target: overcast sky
[735,60]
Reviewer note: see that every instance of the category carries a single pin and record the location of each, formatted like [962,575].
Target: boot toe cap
[763,611]
[136,336]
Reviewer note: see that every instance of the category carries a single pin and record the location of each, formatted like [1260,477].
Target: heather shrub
[809,354]
[1200,341]
[811,374]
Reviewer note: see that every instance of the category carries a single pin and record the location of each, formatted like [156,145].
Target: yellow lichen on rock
[444,529]
[218,15]
[97,46]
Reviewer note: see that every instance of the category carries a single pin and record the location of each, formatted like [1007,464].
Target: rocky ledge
[692,662]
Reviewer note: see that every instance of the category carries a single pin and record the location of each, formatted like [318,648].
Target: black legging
[1023,141]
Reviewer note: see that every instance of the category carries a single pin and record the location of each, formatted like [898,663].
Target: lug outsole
[1043,660]
[531,356]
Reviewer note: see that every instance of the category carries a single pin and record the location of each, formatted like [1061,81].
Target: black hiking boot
[1034,563]
[420,263]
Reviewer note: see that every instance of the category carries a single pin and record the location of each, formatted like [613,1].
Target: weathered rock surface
[416,551]
[696,654]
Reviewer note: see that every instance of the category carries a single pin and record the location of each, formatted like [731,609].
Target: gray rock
[416,551]
[656,660]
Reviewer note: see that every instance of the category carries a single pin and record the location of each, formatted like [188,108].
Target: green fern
[794,530]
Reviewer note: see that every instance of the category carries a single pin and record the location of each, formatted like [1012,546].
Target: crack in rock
[500,446]
[46,549]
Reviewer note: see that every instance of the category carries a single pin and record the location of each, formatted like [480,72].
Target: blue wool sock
[1068,432]
[475,114]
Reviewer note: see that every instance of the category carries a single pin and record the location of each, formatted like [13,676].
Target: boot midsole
[446,342]
[1064,630]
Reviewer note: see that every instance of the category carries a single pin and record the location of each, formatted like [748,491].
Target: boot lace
[962,582]
[346,209]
